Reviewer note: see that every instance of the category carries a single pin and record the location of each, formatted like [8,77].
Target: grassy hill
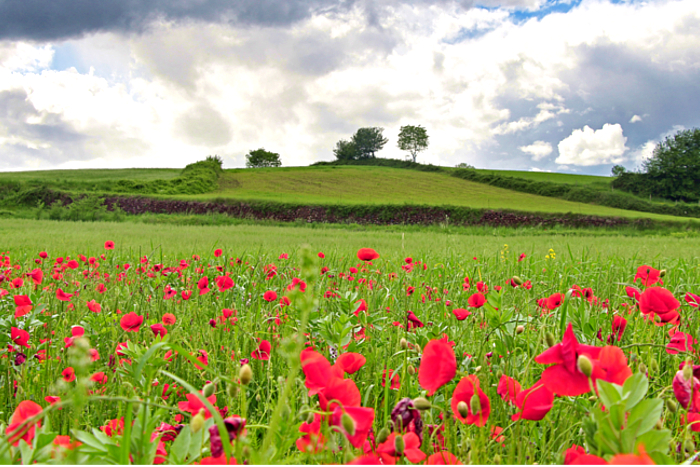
[573,179]
[338,185]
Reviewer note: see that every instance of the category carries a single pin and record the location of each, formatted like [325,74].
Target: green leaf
[649,411]
[195,448]
[629,436]
[610,394]
[655,440]
[181,445]
[89,440]
[43,439]
[634,390]
[26,451]
[617,415]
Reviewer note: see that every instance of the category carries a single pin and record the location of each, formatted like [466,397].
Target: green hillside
[573,179]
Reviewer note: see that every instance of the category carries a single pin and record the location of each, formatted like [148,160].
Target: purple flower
[234,426]
[406,417]
[20,358]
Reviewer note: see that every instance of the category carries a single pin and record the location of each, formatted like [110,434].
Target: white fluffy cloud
[593,147]
[539,150]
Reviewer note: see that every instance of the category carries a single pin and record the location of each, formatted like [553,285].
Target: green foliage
[261,158]
[674,168]
[618,170]
[368,141]
[345,150]
[414,139]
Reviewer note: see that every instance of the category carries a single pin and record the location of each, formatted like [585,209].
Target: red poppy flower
[159,330]
[224,283]
[99,378]
[648,275]
[24,411]
[193,405]
[263,351]
[313,441]
[618,326]
[482,287]
[555,300]
[63,296]
[465,390]
[52,399]
[43,255]
[94,306]
[131,322]
[37,276]
[367,254]
[113,427]
[361,307]
[317,370]
[477,300]
[19,337]
[23,305]
[270,296]
[109,245]
[438,366]
[202,358]
[68,374]
[442,458]
[362,418]
[169,319]
[395,382]
[343,391]
[576,455]
[461,313]
[681,342]
[218,252]
[203,285]
[642,458]
[388,454]
[534,403]
[413,321]
[350,362]
[366,459]
[661,302]
[692,299]
[508,389]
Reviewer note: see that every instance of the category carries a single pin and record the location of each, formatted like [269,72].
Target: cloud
[539,150]
[635,118]
[593,147]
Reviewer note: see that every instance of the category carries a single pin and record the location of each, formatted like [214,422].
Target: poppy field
[366,355]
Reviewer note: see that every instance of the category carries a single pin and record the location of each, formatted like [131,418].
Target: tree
[367,141]
[413,139]
[674,167]
[345,150]
[618,170]
[262,158]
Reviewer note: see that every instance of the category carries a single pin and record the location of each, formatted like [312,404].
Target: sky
[573,86]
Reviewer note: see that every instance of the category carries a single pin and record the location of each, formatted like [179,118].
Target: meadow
[136,343]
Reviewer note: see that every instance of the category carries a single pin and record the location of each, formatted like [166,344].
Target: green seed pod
[689,446]
[463,409]
[382,435]
[654,366]
[197,422]
[245,374]
[348,424]
[404,343]
[549,338]
[671,405]
[411,370]
[208,389]
[497,459]
[592,398]
[421,403]
[399,444]
[232,390]
[585,365]
[519,329]
[660,424]
[258,398]
[662,273]
[643,368]
[475,404]
[688,371]
[310,418]
[517,280]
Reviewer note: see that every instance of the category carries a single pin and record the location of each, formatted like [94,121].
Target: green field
[90,175]
[573,179]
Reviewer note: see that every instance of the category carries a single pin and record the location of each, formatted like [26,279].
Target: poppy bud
[257,398]
[654,366]
[517,280]
[689,446]
[592,398]
[382,435]
[499,374]
[403,343]
[477,369]
[411,370]
[348,424]
[585,365]
[659,424]
[245,374]
[310,418]
[197,422]
[208,389]
[688,371]
[662,273]
[549,338]
[643,368]
[671,405]
[475,404]
[519,329]
[421,403]
[232,390]
[463,409]
[497,459]
[399,444]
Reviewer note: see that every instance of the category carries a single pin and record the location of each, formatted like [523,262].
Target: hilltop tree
[413,139]
[674,167]
[345,150]
[367,141]
[262,158]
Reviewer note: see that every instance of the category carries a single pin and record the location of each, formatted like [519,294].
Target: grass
[91,175]
[573,179]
